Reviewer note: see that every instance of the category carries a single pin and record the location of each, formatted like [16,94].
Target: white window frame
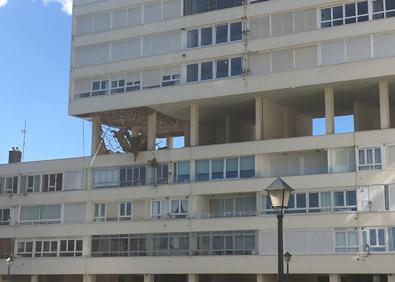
[173,78]
[123,214]
[368,239]
[374,165]
[178,214]
[43,253]
[3,220]
[24,253]
[384,11]
[101,216]
[13,179]
[320,208]
[348,248]
[344,18]
[345,207]
[118,89]
[40,220]
[162,214]
[74,252]
[102,90]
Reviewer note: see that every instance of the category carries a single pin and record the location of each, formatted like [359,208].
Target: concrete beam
[329,110]
[151,138]
[194,125]
[258,118]
[384,104]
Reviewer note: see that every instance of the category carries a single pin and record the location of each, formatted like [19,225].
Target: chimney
[14,156]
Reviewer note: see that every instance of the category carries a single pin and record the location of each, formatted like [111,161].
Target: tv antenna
[24,132]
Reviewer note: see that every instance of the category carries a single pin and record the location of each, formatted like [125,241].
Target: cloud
[3,3]
[67,5]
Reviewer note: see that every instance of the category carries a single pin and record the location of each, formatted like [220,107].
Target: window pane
[352,239]
[378,6]
[207,36]
[351,199]
[377,155]
[338,12]
[381,237]
[236,32]
[217,167]
[222,68]
[340,239]
[326,199]
[361,157]
[326,14]
[247,167]
[291,203]
[192,72]
[350,10]
[193,38]
[232,166]
[369,156]
[313,200]
[339,199]
[390,4]
[202,170]
[236,66]
[300,200]
[207,70]
[362,8]
[221,33]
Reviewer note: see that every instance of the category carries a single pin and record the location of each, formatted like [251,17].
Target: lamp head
[287,257]
[10,259]
[279,193]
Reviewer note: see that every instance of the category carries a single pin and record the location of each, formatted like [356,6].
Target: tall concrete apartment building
[242,85]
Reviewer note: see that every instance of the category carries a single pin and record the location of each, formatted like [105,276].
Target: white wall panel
[306,57]
[391,156]
[73,180]
[74,213]
[119,19]
[332,52]
[82,86]
[358,49]
[260,64]
[84,25]
[172,9]
[384,45]
[102,22]
[282,24]
[134,16]
[321,241]
[391,196]
[151,78]
[152,13]
[260,28]
[296,241]
[282,60]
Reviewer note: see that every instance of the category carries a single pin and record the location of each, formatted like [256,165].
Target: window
[247,167]
[345,201]
[32,183]
[320,202]
[383,9]
[10,184]
[206,35]
[117,86]
[181,172]
[192,7]
[193,38]
[346,241]
[25,249]
[236,31]
[222,68]
[221,33]
[99,213]
[202,170]
[233,207]
[192,72]
[6,248]
[217,169]
[232,168]
[297,203]
[391,238]
[44,214]
[5,216]
[162,173]
[207,71]
[70,248]
[236,66]
[107,177]
[139,175]
[179,208]
[370,158]
[52,182]
[373,240]
[160,209]
[46,249]
[125,211]
[99,88]
[171,79]
[345,14]
[133,86]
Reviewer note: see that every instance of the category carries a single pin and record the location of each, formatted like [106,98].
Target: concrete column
[266,278]
[187,135]
[89,278]
[193,277]
[86,246]
[330,110]
[169,142]
[194,127]
[149,277]
[151,138]
[227,129]
[334,278]
[376,278]
[391,277]
[34,278]
[384,104]
[258,118]
[96,132]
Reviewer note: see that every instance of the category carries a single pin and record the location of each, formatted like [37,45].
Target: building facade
[208,101]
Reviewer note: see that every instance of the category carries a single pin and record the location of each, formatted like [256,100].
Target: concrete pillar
[34,278]
[227,129]
[334,278]
[194,127]
[391,277]
[149,277]
[376,278]
[193,277]
[151,138]
[330,110]
[89,278]
[96,132]
[169,142]
[258,118]
[384,104]
[187,135]
[266,278]
[86,246]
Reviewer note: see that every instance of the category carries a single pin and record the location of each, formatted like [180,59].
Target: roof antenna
[24,131]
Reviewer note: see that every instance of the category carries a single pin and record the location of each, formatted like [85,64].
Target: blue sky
[34,80]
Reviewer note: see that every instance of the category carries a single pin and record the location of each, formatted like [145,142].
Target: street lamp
[279,193]
[287,259]
[9,261]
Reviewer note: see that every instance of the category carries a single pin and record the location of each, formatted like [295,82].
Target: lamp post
[287,259]
[279,193]
[9,262]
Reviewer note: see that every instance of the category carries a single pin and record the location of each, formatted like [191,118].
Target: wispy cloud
[67,5]
[3,3]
